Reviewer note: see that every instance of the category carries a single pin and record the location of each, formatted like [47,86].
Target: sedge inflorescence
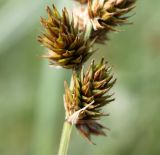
[105,16]
[86,97]
[69,47]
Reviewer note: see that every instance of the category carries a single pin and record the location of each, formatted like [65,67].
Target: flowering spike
[89,93]
[107,15]
[66,44]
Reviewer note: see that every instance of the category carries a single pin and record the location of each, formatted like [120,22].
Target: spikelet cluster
[108,14]
[67,45]
[87,95]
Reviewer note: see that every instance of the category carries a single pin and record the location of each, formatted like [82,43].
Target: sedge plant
[70,40]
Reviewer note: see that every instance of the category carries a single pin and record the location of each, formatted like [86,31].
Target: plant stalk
[67,127]
[65,138]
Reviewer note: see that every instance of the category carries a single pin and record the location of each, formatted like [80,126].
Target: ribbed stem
[65,138]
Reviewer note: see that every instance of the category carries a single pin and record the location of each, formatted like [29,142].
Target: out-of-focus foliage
[31,106]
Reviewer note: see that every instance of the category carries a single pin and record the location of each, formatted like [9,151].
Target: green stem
[65,138]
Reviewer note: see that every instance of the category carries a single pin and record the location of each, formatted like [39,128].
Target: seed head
[108,14]
[87,95]
[67,45]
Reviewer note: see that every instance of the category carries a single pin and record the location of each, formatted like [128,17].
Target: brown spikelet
[89,93]
[107,15]
[66,44]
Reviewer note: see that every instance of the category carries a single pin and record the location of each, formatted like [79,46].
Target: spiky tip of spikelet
[67,45]
[108,14]
[88,94]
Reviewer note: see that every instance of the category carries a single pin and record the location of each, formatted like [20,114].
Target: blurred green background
[31,105]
